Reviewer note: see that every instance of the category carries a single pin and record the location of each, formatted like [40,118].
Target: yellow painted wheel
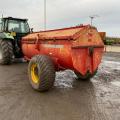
[41,73]
[34,73]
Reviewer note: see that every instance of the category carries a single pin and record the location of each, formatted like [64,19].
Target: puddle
[107,72]
[111,64]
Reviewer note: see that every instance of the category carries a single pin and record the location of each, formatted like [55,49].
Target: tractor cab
[15,26]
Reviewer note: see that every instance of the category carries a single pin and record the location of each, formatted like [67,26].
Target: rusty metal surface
[65,33]
[97,99]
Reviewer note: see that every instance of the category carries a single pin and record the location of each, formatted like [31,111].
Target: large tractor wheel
[41,73]
[6,52]
[86,77]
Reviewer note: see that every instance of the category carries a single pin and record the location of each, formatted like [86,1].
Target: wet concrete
[97,99]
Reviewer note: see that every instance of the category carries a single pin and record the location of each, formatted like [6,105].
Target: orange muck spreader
[77,48]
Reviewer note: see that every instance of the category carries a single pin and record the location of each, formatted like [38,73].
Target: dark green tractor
[11,32]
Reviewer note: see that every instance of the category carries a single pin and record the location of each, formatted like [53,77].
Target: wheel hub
[34,73]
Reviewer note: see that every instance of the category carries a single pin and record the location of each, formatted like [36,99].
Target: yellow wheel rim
[34,73]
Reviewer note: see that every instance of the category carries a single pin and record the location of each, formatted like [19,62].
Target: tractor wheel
[41,73]
[6,52]
[86,77]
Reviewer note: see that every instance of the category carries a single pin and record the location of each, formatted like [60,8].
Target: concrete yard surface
[111,48]
[70,99]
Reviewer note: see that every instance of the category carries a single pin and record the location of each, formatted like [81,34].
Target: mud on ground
[97,99]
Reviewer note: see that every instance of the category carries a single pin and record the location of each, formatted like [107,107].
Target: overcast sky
[65,13]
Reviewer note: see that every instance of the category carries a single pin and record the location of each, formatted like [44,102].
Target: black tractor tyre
[41,72]
[86,77]
[6,52]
